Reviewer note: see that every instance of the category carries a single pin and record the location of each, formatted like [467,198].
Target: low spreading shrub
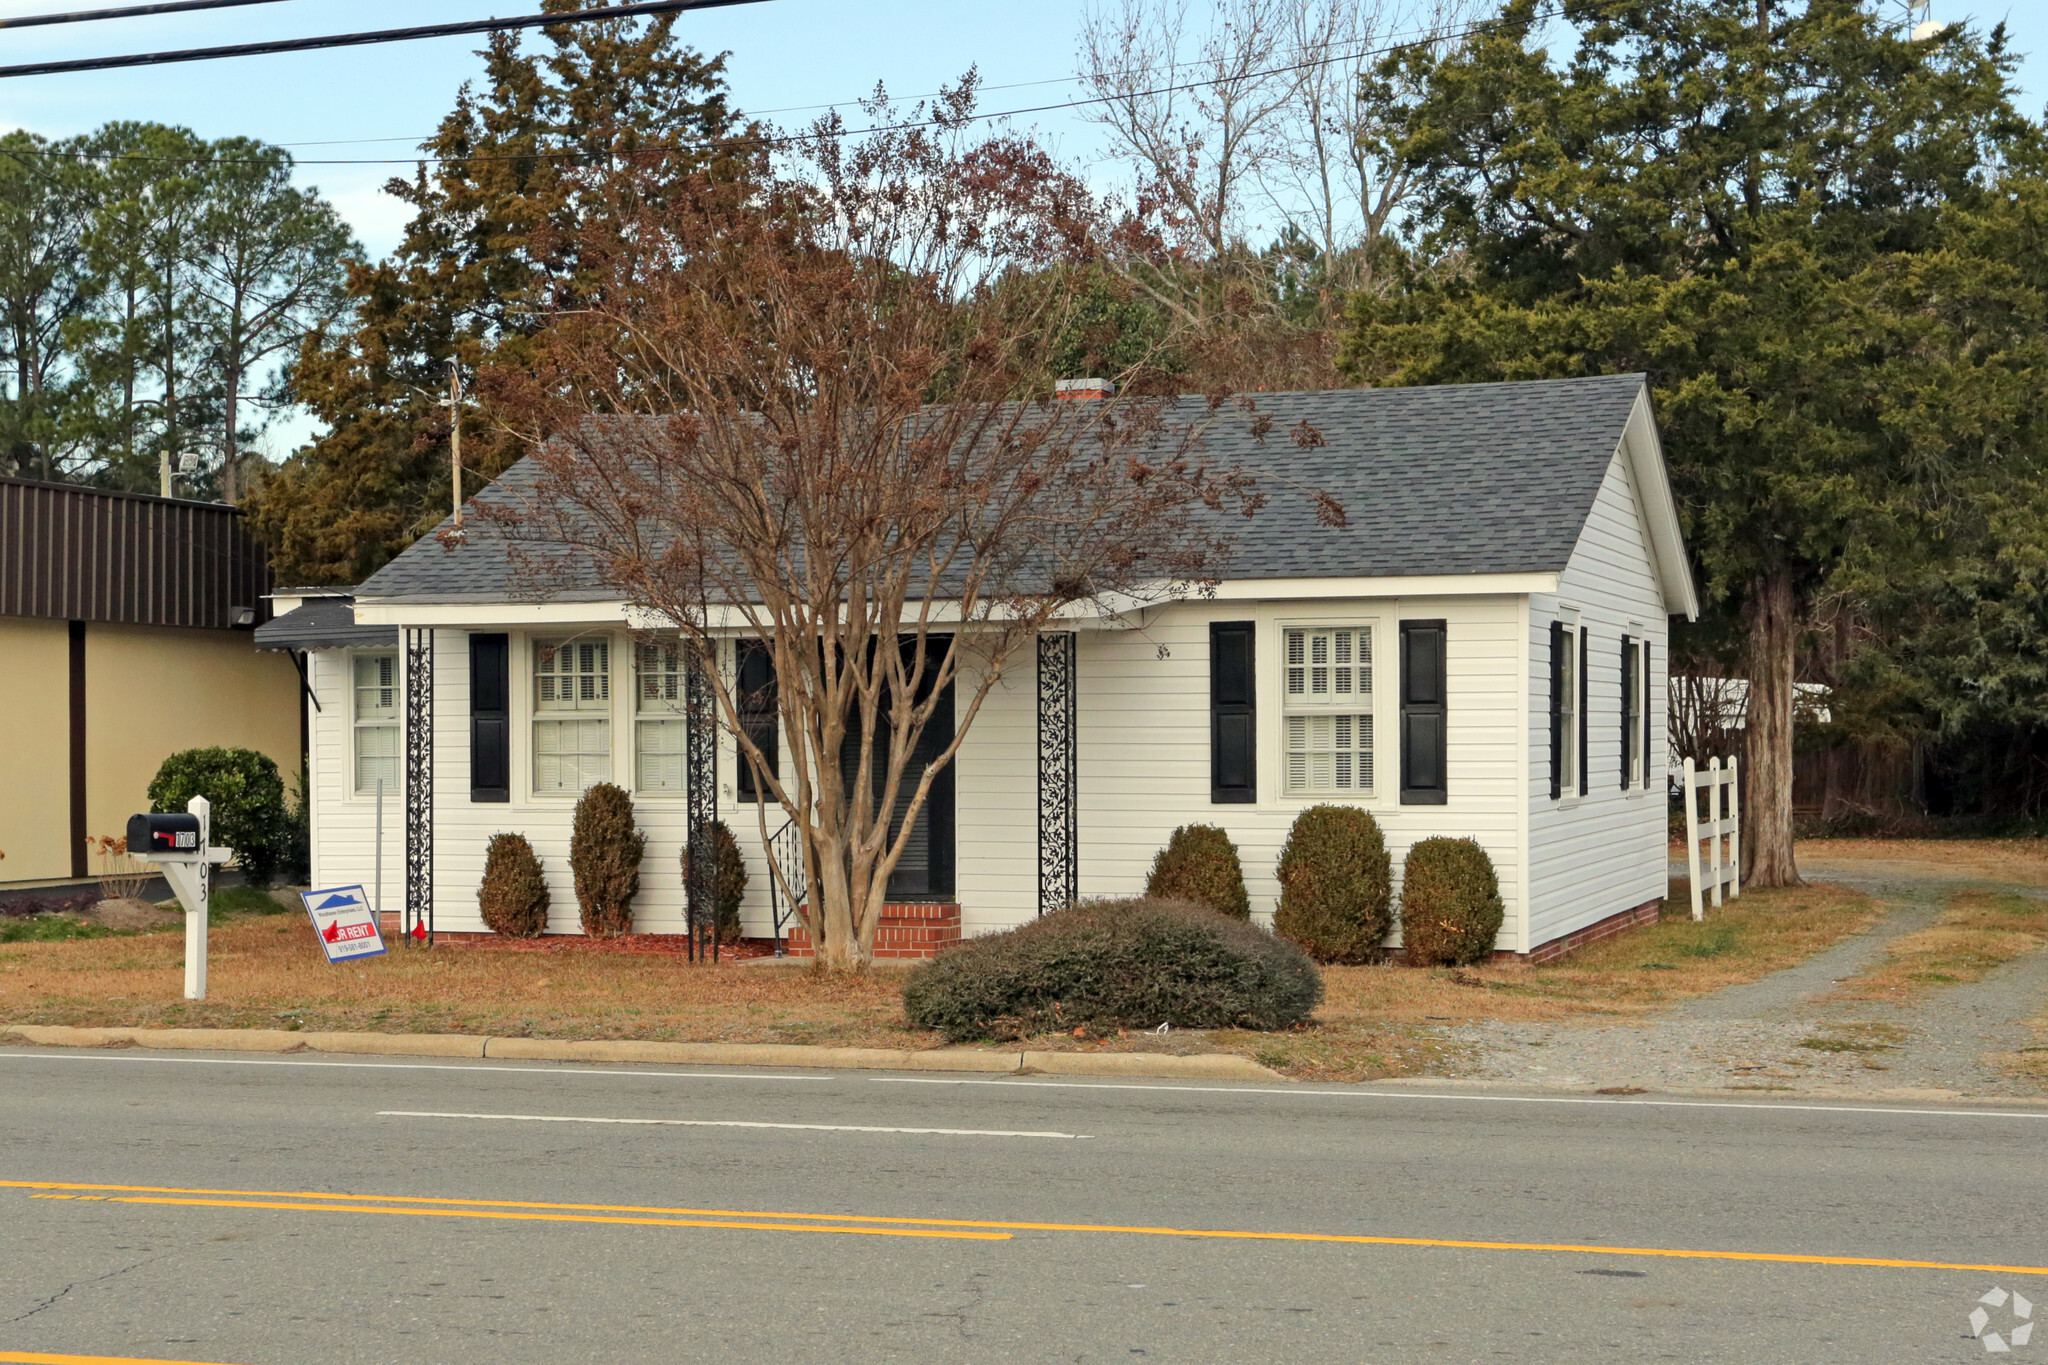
[605,850]
[1335,885]
[1115,964]
[1450,903]
[1199,864]
[249,814]
[728,880]
[513,895]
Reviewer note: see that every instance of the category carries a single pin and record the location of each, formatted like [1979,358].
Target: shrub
[514,895]
[1199,864]
[728,880]
[1109,964]
[1450,903]
[604,854]
[1335,885]
[249,813]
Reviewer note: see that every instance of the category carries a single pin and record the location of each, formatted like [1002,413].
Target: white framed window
[659,730]
[1571,663]
[374,717]
[1632,702]
[1327,709]
[572,702]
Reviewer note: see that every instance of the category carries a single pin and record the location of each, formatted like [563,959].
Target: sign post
[344,922]
[178,844]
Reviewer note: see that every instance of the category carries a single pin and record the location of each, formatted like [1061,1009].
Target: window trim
[636,718]
[1635,726]
[529,702]
[356,725]
[1380,793]
[1571,722]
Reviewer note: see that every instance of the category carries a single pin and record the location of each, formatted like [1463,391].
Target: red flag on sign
[332,933]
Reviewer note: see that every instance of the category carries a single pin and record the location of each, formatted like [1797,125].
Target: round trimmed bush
[1199,864]
[249,814]
[514,895]
[1450,903]
[1336,885]
[728,880]
[605,850]
[1115,964]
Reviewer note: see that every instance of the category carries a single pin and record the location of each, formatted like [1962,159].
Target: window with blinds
[376,723]
[572,699]
[658,727]
[1327,710]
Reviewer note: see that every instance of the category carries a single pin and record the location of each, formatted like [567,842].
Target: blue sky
[375,102]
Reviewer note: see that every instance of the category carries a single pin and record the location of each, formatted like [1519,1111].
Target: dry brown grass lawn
[1376,1021]
[2021,862]
[1977,932]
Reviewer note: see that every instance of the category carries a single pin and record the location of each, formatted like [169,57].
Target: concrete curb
[1219,1066]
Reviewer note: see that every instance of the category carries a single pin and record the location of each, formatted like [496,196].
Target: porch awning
[322,623]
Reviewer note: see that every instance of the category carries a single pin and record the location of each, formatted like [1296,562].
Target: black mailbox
[148,834]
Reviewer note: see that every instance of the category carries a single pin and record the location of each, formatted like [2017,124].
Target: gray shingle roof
[322,623]
[1454,479]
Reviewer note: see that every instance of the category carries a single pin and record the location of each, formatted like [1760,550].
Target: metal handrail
[786,853]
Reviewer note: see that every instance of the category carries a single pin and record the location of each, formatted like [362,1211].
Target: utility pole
[163,473]
[455,434]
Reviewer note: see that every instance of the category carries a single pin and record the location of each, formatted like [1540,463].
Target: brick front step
[904,931]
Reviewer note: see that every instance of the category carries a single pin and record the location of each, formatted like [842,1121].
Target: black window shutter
[1233,719]
[1559,643]
[1628,722]
[758,713]
[1585,653]
[1423,714]
[1648,731]
[490,718]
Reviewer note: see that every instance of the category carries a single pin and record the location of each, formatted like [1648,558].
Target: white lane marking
[1471,1099]
[731,1123]
[481,1064]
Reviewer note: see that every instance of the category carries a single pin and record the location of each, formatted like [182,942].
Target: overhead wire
[86,16]
[756,142]
[387,35]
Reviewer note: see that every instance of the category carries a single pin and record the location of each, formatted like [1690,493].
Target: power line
[778,140]
[387,35]
[86,16]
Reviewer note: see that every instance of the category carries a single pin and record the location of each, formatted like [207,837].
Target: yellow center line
[560,1218]
[49,1358]
[485,1208]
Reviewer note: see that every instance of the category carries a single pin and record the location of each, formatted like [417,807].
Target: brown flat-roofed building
[125,636]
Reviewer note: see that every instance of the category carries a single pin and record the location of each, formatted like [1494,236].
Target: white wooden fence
[1722,823]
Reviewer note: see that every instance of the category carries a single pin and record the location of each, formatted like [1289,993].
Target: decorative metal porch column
[1058,775]
[419,786]
[700,749]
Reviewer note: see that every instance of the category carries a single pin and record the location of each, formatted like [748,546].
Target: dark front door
[925,872]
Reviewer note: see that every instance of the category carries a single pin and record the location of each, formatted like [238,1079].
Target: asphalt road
[191,1208]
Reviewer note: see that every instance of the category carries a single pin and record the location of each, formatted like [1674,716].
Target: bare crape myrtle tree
[799,401]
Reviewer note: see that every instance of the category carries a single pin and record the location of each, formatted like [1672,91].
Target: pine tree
[492,234]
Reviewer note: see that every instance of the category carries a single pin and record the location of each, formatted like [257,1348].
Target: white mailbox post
[179,845]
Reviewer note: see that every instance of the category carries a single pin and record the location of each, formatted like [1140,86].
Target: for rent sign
[344,921]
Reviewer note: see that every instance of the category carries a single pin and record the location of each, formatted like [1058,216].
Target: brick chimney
[1073,390]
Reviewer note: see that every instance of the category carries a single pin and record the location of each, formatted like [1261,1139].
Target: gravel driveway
[1748,1038]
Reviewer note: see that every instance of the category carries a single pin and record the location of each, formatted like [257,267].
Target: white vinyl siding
[375,717]
[658,726]
[1328,705]
[572,702]
[1603,853]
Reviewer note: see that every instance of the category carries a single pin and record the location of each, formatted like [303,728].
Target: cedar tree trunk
[1767,758]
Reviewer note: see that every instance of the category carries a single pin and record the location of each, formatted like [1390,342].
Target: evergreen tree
[515,168]
[1740,197]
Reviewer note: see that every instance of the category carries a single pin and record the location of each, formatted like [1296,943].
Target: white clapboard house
[1479,651]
